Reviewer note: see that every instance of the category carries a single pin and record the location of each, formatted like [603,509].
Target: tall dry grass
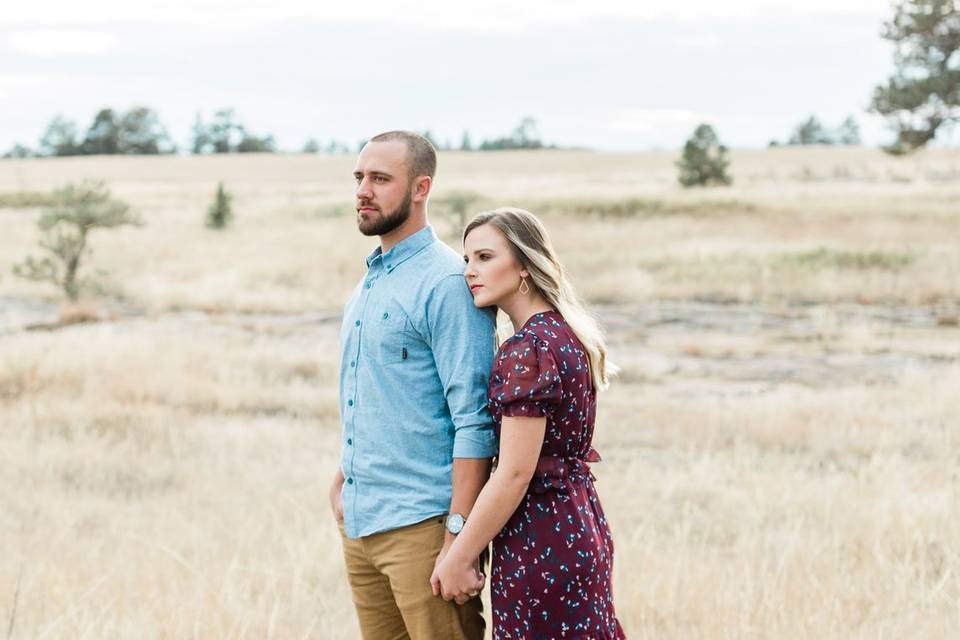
[780,452]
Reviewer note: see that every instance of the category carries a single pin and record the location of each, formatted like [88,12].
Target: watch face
[455,523]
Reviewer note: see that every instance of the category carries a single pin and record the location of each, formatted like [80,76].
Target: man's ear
[421,188]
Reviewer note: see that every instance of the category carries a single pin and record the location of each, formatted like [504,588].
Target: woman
[552,549]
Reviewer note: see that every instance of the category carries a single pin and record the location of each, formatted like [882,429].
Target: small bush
[220,213]
[704,161]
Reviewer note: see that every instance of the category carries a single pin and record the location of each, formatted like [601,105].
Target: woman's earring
[524,287]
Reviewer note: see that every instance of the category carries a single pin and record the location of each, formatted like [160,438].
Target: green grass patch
[705,267]
[26,199]
[326,211]
[641,207]
[823,258]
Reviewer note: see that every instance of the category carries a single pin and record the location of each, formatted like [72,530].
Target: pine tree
[848,132]
[201,136]
[704,160]
[140,132]
[103,136]
[60,138]
[220,214]
[65,226]
[810,131]
[923,95]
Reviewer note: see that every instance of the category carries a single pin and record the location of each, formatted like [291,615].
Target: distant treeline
[137,131]
[140,132]
[812,131]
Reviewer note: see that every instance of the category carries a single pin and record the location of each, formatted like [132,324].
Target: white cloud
[649,121]
[624,75]
[621,129]
[491,15]
[60,42]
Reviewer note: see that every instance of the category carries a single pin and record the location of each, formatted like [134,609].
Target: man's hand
[336,500]
[471,582]
[456,581]
[447,543]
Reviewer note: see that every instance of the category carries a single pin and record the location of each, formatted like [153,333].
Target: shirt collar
[406,248]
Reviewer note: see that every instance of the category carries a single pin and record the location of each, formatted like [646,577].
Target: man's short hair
[421,156]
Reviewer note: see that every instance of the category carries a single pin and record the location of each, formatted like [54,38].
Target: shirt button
[349,440]
[357,323]
[389,266]
[385,315]
[369,284]
[349,480]
[349,403]
[353,363]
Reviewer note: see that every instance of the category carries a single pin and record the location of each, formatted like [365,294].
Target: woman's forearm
[493,508]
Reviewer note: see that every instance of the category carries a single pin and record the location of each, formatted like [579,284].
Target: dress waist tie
[555,473]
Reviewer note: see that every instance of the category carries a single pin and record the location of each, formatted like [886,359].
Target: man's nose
[363,189]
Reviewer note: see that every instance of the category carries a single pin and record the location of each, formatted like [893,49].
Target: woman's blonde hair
[532,248]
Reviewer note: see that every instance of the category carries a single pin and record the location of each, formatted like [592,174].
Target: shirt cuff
[475,442]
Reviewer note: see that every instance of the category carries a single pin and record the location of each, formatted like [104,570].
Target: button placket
[349,422]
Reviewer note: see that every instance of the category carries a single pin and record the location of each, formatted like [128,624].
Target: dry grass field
[781,450]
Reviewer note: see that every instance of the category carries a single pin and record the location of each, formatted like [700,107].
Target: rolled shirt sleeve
[463,338]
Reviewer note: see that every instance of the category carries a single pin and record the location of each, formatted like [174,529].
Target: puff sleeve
[525,380]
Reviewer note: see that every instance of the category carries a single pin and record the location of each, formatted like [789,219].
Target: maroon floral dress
[552,561]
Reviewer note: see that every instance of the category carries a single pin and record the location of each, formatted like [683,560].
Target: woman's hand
[455,580]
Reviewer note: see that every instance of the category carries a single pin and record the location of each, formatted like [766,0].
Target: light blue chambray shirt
[415,364]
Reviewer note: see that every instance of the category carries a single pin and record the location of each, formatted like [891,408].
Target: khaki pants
[389,577]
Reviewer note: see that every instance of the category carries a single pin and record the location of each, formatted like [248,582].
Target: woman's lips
[475,287]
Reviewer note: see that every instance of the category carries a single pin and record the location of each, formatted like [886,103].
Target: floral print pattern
[552,562]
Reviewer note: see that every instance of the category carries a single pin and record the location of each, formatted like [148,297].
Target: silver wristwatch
[455,522]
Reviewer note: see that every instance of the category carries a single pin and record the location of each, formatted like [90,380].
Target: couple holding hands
[428,404]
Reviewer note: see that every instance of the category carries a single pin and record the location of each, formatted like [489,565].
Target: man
[417,438]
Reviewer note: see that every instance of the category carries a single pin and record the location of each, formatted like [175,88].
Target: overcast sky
[607,74]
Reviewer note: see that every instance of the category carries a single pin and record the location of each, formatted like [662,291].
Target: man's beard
[386,223]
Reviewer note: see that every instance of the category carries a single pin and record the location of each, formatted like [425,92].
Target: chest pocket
[393,328]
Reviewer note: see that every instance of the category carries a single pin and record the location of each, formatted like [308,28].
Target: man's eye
[379,179]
